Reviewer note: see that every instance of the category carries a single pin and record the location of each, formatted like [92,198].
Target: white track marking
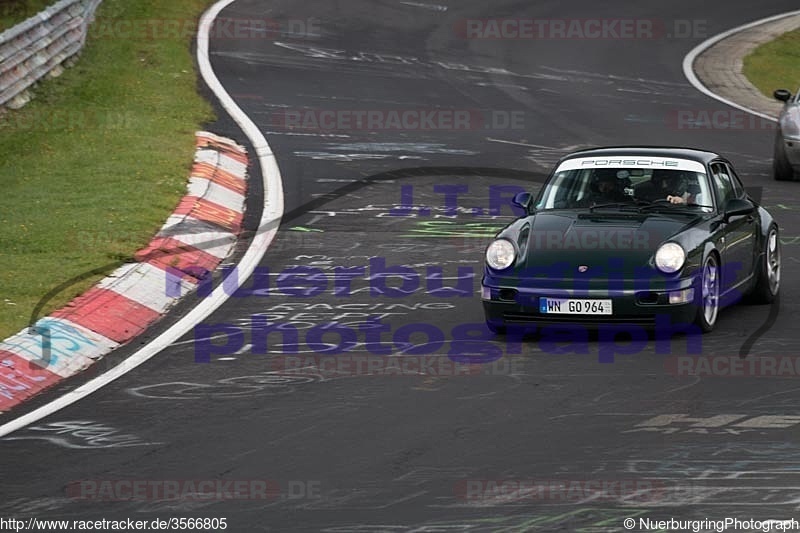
[688,62]
[432,7]
[268,226]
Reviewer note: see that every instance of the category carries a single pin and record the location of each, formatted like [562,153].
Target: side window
[722,183]
[738,188]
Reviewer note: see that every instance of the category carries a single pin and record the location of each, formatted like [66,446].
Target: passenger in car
[605,187]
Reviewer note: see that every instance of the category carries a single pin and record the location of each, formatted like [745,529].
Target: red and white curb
[200,233]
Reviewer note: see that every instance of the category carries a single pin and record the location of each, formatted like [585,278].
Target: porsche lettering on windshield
[629,162]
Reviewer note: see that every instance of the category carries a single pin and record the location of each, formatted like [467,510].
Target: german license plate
[574,306]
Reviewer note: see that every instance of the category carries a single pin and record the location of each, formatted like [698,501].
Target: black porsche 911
[632,235]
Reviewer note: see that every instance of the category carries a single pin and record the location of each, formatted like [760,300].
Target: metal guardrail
[39,46]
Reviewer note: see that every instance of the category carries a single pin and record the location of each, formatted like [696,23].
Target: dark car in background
[632,235]
[786,160]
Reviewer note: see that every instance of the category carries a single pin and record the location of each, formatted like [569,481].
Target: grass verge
[93,166]
[775,65]
[15,11]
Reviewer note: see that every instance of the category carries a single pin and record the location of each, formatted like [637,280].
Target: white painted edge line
[268,226]
[688,62]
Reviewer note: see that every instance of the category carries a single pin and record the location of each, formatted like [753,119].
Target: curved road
[349,445]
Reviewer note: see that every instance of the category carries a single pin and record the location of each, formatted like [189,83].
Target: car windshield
[637,189]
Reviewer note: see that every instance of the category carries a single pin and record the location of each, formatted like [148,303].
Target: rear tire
[768,276]
[708,295]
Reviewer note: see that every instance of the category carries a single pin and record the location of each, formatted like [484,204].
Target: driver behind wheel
[669,185]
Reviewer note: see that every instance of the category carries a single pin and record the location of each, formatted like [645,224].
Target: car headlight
[670,257]
[500,254]
[790,124]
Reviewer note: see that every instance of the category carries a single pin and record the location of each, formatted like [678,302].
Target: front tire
[708,297]
[496,329]
[769,270]
[781,168]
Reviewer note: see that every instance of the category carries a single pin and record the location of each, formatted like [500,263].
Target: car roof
[693,154]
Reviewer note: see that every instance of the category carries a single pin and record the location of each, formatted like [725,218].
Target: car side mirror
[738,207]
[523,200]
[782,94]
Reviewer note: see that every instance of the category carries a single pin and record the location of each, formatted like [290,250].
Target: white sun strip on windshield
[668,163]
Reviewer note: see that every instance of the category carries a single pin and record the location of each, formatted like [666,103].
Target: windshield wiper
[666,205]
[615,205]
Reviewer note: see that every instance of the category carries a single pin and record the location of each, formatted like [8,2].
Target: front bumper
[792,150]
[509,306]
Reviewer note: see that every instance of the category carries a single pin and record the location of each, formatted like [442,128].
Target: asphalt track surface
[396,453]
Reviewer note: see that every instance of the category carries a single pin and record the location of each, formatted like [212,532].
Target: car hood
[596,240]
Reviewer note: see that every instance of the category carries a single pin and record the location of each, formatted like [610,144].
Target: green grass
[93,166]
[15,11]
[775,65]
